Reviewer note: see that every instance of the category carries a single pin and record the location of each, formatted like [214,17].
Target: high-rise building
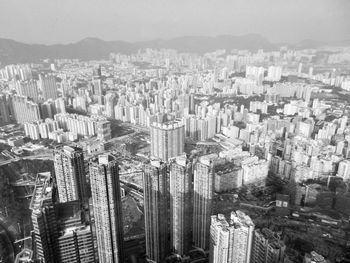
[48,87]
[70,174]
[76,245]
[25,110]
[167,140]
[104,130]
[29,89]
[97,87]
[107,210]
[267,247]
[44,220]
[59,105]
[344,170]
[300,68]
[110,101]
[231,242]
[311,71]
[181,205]
[274,73]
[97,72]
[203,191]
[84,125]
[221,235]
[45,233]
[61,234]
[48,109]
[5,109]
[75,242]
[156,203]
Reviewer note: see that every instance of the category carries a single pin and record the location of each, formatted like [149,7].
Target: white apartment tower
[231,242]
[167,140]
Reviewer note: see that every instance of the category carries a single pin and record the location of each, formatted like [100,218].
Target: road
[46,156]
[137,127]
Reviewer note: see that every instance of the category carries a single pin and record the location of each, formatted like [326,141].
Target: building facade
[156,203]
[231,240]
[70,174]
[48,87]
[181,205]
[203,191]
[107,210]
[267,247]
[167,140]
[25,110]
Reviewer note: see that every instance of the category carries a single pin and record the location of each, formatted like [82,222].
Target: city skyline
[187,131]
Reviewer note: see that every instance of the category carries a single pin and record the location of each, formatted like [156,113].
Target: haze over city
[56,21]
[183,131]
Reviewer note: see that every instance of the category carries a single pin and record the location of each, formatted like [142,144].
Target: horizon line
[176,37]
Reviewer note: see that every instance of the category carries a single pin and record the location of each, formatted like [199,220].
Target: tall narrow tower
[203,190]
[156,203]
[181,205]
[70,174]
[107,211]
[44,220]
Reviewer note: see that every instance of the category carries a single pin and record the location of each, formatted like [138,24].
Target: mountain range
[93,48]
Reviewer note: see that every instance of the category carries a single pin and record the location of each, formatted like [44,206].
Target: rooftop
[70,230]
[25,256]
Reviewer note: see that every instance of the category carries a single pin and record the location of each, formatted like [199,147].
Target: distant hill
[93,48]
[90,48]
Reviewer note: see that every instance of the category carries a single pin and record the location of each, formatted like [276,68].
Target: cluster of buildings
[62,219]
[69,127]
[190,207]
[179,97]
[20,109]
[188,195]
[236,240]
[61,233]
[12,72]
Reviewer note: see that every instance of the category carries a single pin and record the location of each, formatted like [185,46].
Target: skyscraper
[107,210]
[61,234]
[48,87]
[231,242]
[156,203]
[267,247]
[97,87]
[203,191]
[5,112]
[181,205]
[76,245]
[70,174]
[44,220]
[45,233]
[167,140]
[75,241]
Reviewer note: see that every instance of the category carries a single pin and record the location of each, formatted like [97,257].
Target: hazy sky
[64,21]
